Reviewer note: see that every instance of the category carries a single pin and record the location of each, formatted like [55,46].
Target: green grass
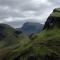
[49,40]
[12,45]
[39,47]
[42,44]
[56,14]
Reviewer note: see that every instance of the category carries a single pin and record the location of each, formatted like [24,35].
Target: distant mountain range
[30,28]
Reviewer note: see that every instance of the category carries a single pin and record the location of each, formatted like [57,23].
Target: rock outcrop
[53,20]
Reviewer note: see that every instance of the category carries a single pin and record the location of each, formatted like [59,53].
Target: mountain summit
[31,28]
[53,20]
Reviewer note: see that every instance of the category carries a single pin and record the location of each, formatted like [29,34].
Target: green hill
[48,41]
[11,42]
[45,45]
[56,12]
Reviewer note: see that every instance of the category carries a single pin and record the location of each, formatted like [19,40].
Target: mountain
[53,19]
[11,42]
[44,45]
[7,33]
[31,28]
[47,42]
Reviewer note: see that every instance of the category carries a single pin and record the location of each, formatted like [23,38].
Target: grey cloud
[23,8]
[13,3]
[16,24]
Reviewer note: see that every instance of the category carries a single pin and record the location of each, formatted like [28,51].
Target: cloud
[16,24]
[16,12]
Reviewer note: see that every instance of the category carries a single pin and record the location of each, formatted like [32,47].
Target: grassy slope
[43,45]
[12,44]
[46,43]
[56,13]
[50,38]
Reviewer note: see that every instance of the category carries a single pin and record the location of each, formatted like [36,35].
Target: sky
[17,12]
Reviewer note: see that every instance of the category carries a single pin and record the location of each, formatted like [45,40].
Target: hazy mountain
[30,28]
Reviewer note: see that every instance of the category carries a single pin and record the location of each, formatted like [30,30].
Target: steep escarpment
[53,20]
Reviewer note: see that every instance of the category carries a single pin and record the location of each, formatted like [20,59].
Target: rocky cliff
[53,20]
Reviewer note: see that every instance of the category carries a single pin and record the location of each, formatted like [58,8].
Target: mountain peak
[56,12]
[53,20]
[31,27]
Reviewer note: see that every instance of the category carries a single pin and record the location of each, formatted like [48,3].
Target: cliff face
[53,20]
[11,42]
[48,41]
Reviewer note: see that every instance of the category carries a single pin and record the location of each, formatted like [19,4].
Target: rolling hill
[11,42]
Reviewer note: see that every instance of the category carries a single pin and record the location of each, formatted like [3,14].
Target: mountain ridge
[31,28]
[44,45]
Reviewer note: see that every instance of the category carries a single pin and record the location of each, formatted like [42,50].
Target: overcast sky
[16,12]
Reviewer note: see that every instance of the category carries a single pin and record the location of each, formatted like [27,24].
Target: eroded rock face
[53,20]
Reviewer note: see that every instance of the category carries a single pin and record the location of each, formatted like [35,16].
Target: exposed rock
[30,28]
[53,20]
